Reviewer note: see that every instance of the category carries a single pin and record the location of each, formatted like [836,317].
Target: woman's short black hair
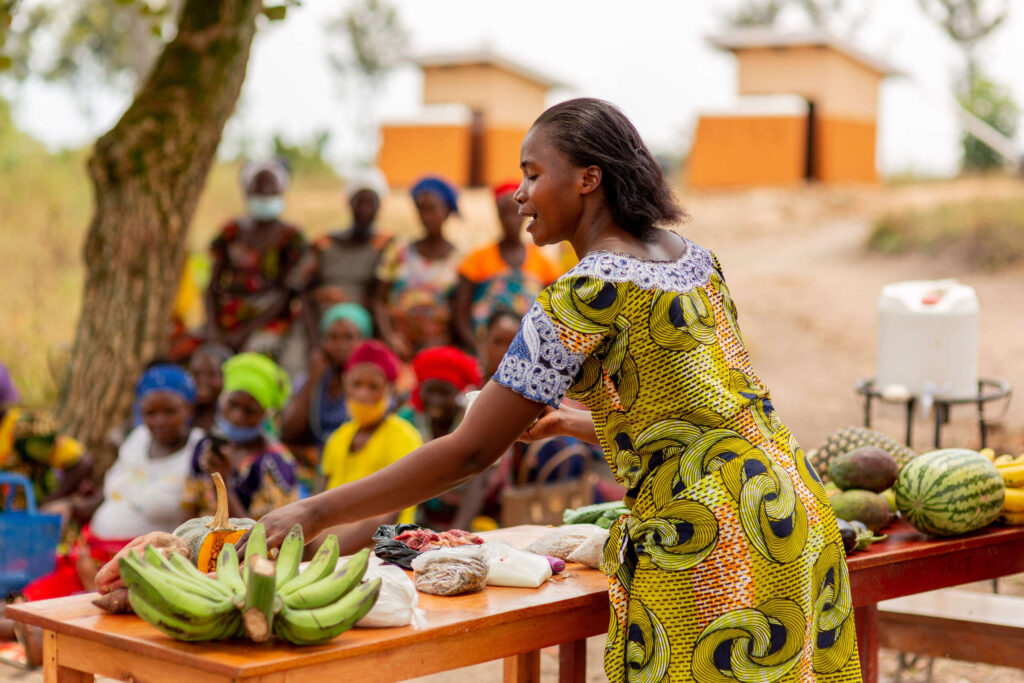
[592,132]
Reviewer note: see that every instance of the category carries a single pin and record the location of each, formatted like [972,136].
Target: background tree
[843,17]
[968,23]
[375,41]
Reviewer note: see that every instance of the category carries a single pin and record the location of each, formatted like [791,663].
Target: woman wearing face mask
[248,302]
[372,439]
[258,470]
[416,281]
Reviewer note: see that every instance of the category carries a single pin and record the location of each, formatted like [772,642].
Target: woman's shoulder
[398,425]
[693,268]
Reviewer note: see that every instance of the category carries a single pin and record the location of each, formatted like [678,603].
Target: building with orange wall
[476,109]
[808,111]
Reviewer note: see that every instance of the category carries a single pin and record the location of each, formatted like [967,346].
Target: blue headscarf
[440,187]
[354,313]
[163,377]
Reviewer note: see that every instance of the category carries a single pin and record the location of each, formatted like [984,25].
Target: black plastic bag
[392,551]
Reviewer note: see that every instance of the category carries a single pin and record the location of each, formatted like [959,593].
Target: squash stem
[221,518]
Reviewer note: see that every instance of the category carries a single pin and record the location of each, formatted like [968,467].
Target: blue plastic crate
[28,539]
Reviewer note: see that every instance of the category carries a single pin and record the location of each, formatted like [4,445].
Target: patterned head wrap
[371,179]
[274,166]
[258,376]
[507,187]
[8,392]
[440,187]
[447,364]
[376,353]
[166,377]
[354,313]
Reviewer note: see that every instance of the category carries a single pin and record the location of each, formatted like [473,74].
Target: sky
[651,57]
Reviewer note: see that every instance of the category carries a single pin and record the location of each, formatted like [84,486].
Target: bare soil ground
[806,291]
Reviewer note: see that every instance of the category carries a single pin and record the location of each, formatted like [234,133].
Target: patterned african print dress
[730,566]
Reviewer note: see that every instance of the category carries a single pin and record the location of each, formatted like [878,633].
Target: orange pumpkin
[206,536]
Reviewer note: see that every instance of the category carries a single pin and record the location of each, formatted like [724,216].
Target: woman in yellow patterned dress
[729,566]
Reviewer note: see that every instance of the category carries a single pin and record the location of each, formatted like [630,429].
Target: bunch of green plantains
[255,598]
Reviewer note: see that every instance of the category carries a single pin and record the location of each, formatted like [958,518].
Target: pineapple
[848,438]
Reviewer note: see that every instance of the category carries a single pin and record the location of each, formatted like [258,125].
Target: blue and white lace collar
[692,269]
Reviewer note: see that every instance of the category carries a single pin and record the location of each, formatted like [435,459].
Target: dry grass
[986,233]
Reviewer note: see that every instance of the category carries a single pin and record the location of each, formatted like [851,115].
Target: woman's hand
[213,460]
[280,521]
[549,424]
[563,421]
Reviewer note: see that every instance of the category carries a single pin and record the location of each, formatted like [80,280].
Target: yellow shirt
[391,441]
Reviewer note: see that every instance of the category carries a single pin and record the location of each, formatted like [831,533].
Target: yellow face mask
[365,414]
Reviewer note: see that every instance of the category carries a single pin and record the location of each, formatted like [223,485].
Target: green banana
[155,557]
[329,589]
[290,556]
[257,543]
[314,626]
[213,628]
[169,596]
[321,566]
[228,572]
[202,582]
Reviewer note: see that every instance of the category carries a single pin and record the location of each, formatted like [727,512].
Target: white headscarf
[274,166]
[367,179]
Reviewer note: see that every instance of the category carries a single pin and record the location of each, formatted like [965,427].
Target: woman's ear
[591,179]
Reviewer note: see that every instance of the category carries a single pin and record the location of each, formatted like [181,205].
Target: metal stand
[988,390]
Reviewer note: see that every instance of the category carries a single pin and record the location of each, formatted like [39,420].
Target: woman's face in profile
[550,192]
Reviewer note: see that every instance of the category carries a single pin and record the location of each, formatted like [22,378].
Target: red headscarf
[377,353]
[447,364]
[505,188]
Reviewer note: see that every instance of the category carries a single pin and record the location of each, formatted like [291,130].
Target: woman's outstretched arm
[497,419]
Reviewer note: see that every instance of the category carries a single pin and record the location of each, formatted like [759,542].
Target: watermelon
[949,491]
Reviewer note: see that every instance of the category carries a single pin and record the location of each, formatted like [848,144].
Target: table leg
[572,662]
[54,672]
[911,404]
[524,668]
[866,619]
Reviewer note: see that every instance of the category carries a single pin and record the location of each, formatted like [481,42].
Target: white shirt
[143,494]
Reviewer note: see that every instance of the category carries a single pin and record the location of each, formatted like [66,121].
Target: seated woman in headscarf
[444,374]
[141,490]
[317,407]
[339,267]
[30,444]
[507,274]
[205,366]
[257,468]
[372,438]
[248,302]
[416,281]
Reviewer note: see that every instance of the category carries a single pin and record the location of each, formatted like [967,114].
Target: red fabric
[447,364]
[64,580]
[377,353]
[505,188]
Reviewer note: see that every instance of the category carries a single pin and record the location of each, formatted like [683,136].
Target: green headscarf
[354,313]
[258,376]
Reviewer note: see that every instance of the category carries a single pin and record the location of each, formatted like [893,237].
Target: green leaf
[275,13]
[5,62]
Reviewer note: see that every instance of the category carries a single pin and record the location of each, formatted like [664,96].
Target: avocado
[869,468]
[863,506]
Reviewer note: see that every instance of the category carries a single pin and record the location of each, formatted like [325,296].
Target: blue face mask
[236,434]
[264,208]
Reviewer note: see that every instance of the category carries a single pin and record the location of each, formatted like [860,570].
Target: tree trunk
[147,173]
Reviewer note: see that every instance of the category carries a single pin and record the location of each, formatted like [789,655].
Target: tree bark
[147,173]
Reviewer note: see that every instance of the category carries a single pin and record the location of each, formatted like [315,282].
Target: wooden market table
[509,623]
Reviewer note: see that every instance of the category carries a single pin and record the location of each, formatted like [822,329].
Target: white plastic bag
[396,605]
[562,540]
[507,566]
[450,571]
[590,551]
